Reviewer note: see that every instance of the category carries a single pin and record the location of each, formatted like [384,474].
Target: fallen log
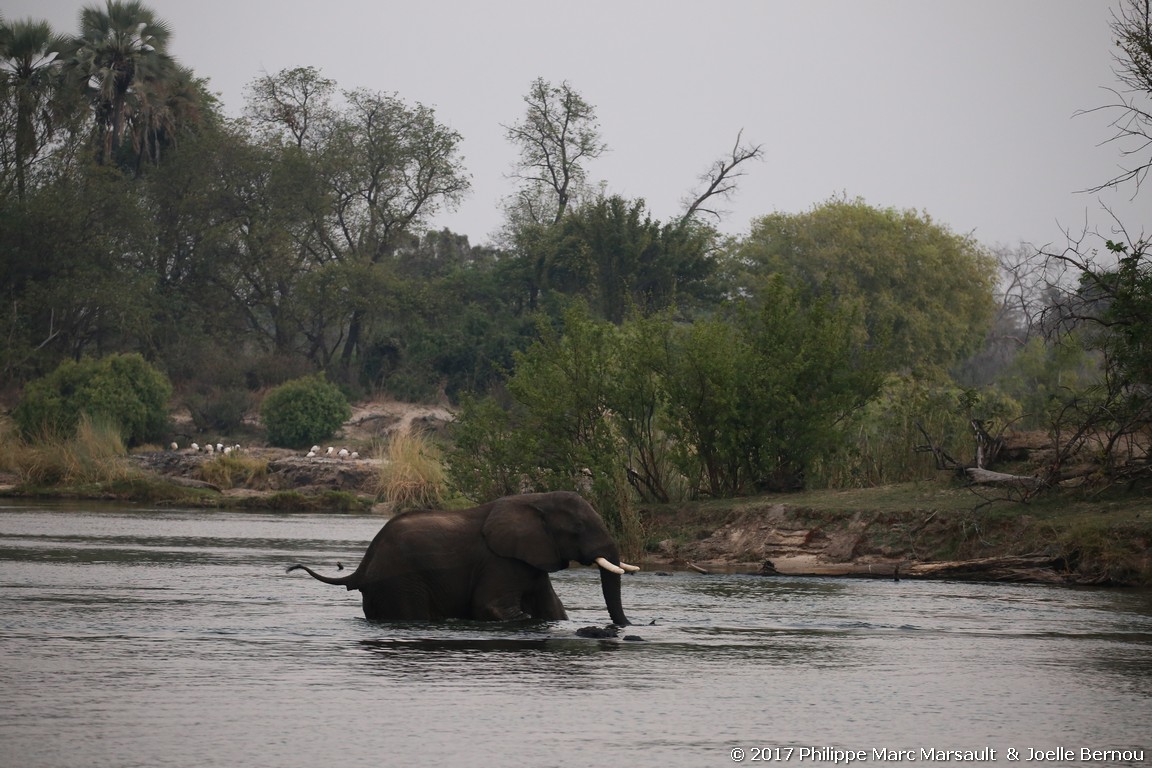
[188,482]
[1015,568]
[988,477]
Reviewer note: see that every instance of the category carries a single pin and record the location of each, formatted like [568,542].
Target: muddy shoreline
[768,538]
[763,536]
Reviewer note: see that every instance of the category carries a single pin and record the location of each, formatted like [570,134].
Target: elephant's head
[548,530]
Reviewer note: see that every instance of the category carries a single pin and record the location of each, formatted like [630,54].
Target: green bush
[121,389]
[219,409]
[303,411]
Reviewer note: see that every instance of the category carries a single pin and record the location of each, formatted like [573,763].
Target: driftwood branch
[1019,568]
[981,476]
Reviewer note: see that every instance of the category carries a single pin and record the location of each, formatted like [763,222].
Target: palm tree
[119,46]
[164,107]
[28,69]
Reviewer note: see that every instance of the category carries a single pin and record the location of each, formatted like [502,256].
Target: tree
[267,248]
[121,46]
[1109,310]
[558,135]
[28,84]
[924,294]
[389,166]
[294,103]
[757,398]
[722,407]
[1132,28]
[169,107]
[613,253]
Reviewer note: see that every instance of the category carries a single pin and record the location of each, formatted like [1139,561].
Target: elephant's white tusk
[603,563]
[629,568]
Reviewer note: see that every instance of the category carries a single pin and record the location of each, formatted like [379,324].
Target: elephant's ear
[516,529]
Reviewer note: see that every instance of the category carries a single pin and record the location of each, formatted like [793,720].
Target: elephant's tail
[351,581]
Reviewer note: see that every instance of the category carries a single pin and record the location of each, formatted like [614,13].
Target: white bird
[195,447]
[329,451]
[355,455]
[173,446]
[316,449]
[220,446]
[311,455]
[209,448]
[228,449]
[343,453]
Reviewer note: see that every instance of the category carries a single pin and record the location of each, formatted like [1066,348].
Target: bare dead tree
[1103,302]
[720,179]
[1078,280]
[1132,127]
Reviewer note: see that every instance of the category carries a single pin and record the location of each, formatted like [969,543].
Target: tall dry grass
[411,471]
[10,445]
[94,454]
[229,470]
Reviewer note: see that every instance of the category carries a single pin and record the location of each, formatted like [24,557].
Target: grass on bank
[230,470]
[93,455]
[411,471]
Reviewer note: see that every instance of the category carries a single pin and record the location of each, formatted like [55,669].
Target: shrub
[219,409]
[303,411]
[123,390]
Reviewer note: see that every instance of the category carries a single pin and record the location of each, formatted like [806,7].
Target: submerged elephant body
[489,562]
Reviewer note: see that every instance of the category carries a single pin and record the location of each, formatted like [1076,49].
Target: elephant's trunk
[610,586]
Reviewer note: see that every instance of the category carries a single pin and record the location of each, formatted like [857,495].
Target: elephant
[487,563]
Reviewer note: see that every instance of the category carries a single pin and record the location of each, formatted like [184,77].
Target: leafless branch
[1132,30]
[720,179]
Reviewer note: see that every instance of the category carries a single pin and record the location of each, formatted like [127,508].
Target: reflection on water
[174,637]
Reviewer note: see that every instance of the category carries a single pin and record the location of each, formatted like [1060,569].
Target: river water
[160,637]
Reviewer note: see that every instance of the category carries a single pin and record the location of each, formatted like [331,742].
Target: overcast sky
[964,110]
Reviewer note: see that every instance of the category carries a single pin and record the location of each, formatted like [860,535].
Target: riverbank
[928,530]
[915,530]
[938,529]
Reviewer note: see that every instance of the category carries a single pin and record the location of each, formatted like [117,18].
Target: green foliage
[924,294]
[303,411]
[1127,293]
[557,434]
[123,389]
[885,439]
[1043,374]
[660,410]
[612,254]
[484,459]
[757,399]
[219,410]
[1108,311]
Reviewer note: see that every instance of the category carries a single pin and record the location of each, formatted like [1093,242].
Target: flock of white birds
[315,452]
[209,448]
[331,453]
